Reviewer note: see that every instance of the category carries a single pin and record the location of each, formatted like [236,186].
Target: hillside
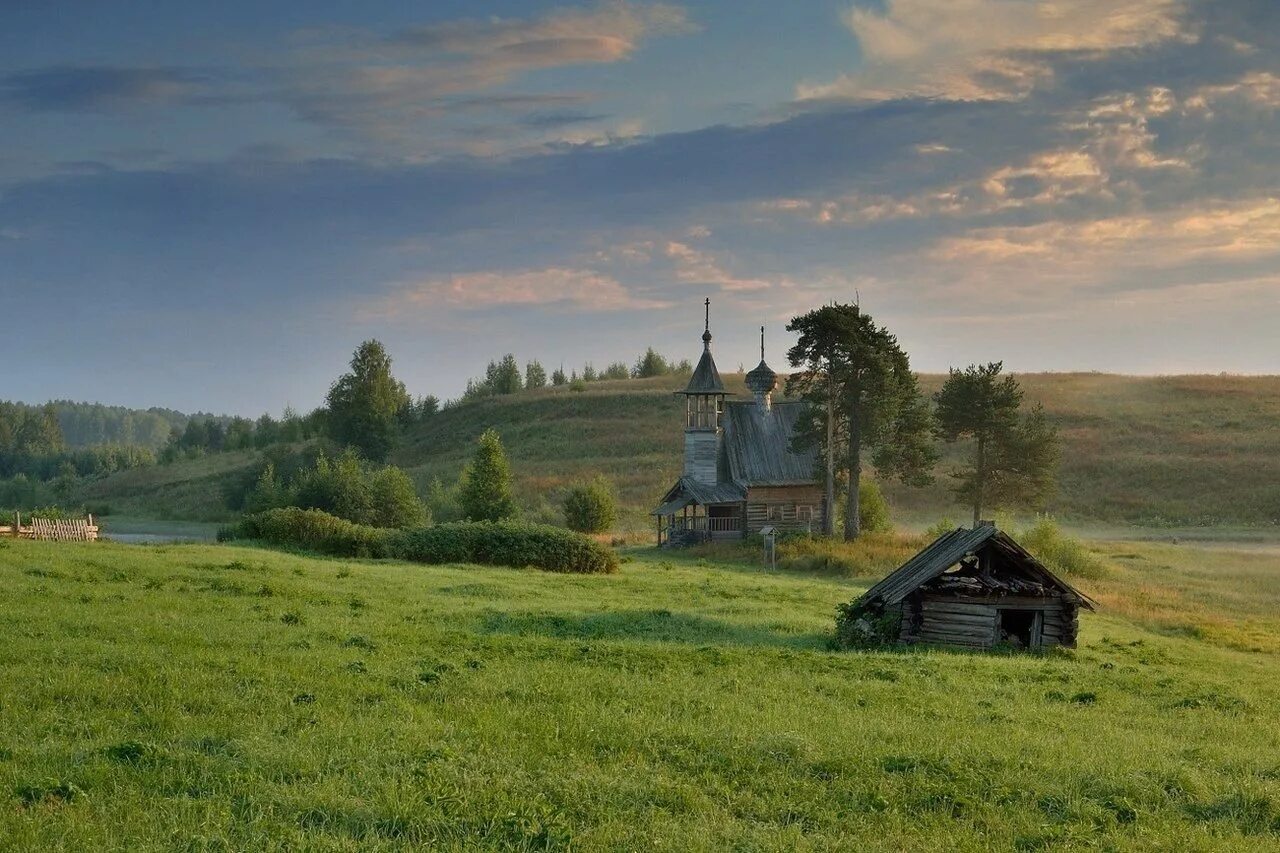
[1166,451]
[250,700]
[1188,450]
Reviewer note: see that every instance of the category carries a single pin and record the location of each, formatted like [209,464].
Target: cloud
[384,85]
[102,88]
[988,49]
[1247,230]
[552,287]
[695,266]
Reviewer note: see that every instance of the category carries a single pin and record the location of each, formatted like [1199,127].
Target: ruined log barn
[977,588]
[740,471]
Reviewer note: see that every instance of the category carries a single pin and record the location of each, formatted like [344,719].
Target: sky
[208,206]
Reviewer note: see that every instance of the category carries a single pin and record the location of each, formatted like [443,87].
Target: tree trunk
[852,515]
[829,516]
[979,481]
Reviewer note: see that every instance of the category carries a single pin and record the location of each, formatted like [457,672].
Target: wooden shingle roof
[705,378]
[948,550]
[688,491]
[757,446]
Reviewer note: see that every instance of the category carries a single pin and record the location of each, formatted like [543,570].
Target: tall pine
[1013,456]
[863,401]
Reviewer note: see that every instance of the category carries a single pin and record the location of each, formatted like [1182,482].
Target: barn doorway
[1020,628]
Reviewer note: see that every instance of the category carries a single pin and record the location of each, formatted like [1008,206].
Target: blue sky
[210,205]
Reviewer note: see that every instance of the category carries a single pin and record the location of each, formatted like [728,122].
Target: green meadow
[206,697]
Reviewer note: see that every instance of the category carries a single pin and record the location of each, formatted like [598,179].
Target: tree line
[505,376]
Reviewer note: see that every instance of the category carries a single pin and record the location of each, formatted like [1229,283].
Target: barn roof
[689,491]
[948,550]
[757,446]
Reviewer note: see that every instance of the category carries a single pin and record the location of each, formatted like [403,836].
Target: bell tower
[704,413]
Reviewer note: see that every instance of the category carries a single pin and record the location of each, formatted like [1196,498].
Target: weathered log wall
[972,622]
[785,502]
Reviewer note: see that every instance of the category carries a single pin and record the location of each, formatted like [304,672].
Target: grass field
[203,697]
[1156,452]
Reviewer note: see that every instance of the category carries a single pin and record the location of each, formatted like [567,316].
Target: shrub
[485,489]
[940,528]
[859,628]
[504,544]
[345,487]
[394,500]
[873,509]
[442,502]
[1060,552]
[336,486]
[591,507]
[313,530]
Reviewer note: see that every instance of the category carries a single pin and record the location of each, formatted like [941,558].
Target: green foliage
[873,509]
[616,370]
[345,487]
[1062,553]
[502,377]
[940,528]
[591,507]
[314,530]
[364,405]
[394,501]
[558,377]
[650,364]
[535,376]
[860,389]
[442,501]
[1013,457]
[505,544]
[485,488]
[859,628]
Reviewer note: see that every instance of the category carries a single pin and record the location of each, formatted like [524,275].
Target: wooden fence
[53,529]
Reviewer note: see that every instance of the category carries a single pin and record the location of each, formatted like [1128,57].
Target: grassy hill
[215,697]
[1188,450]
[1168,451]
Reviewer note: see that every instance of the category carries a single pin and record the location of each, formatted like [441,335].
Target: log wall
[972,622]
[785,502]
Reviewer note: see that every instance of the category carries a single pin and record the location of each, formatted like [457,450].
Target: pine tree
[862,397]
[1013,456]
[485,488]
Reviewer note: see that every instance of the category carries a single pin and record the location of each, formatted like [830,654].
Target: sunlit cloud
[553,287]
[987,49]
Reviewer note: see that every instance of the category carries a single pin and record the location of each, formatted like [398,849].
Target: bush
[345,487]
[940,528]
[313,530]
[591,507]
[873,509]
[394,500]
[859,628]
[1061,553]
[504,544]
